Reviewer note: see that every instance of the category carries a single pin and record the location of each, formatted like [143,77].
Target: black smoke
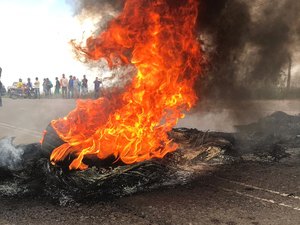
[247,45]
[250,43]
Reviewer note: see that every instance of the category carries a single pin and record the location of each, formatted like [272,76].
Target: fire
[159,40]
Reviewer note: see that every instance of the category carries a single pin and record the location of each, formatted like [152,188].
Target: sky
[34,40]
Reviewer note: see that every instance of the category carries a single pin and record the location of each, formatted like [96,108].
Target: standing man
[49,85]
[28,88]
[76,87]
[36,86]
[0,88]
[45,90]
[84,86]
[64,86]
[97,88]
[79,86]
[71,87]
[57,87]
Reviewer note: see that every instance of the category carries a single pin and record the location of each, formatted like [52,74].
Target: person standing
[45,90]
[76,87]
[37,88]
[0,93]
[57,87]
[79,86]
[64,86]
[71,87]
[28,88]
[0,87]
[97,83]
[48,85]
[84,86]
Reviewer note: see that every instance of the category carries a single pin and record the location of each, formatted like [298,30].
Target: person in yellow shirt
[20,84]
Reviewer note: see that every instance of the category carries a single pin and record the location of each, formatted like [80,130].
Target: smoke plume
[10,156]
[249,44]
[100,11]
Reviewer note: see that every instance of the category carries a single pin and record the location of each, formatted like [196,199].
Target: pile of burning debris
[125,141]
[28,171]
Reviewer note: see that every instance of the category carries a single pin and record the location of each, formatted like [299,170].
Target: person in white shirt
[64,85]
[36,86]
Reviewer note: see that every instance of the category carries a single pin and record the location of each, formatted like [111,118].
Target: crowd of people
[64,87]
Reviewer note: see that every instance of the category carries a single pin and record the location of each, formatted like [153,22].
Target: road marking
[24,130]
[271,201]
[258,198]
[259,188]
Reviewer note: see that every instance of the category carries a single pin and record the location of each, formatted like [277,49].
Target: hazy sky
[34,40]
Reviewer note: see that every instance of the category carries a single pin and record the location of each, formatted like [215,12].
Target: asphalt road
[244,193]
[26,119]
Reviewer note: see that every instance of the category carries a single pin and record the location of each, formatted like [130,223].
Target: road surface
[252,193]
[27,118]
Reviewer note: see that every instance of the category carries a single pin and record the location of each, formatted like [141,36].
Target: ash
[25,170]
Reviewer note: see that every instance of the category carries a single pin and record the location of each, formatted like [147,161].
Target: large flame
[160,41]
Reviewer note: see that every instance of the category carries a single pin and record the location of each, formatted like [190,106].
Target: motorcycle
[21,93]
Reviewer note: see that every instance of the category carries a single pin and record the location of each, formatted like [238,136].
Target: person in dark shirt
[28,87]
[29,84]
[57,87]
[84,84]
[49,85]
[71,87]
[97,84]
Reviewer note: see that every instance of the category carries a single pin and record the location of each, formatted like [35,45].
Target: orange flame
[159,40]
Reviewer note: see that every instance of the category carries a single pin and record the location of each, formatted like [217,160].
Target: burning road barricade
[26,169]
[124,143]
[127,132]
[159,40]
[29,171]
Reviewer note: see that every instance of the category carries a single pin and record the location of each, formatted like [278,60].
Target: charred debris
[27,171]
